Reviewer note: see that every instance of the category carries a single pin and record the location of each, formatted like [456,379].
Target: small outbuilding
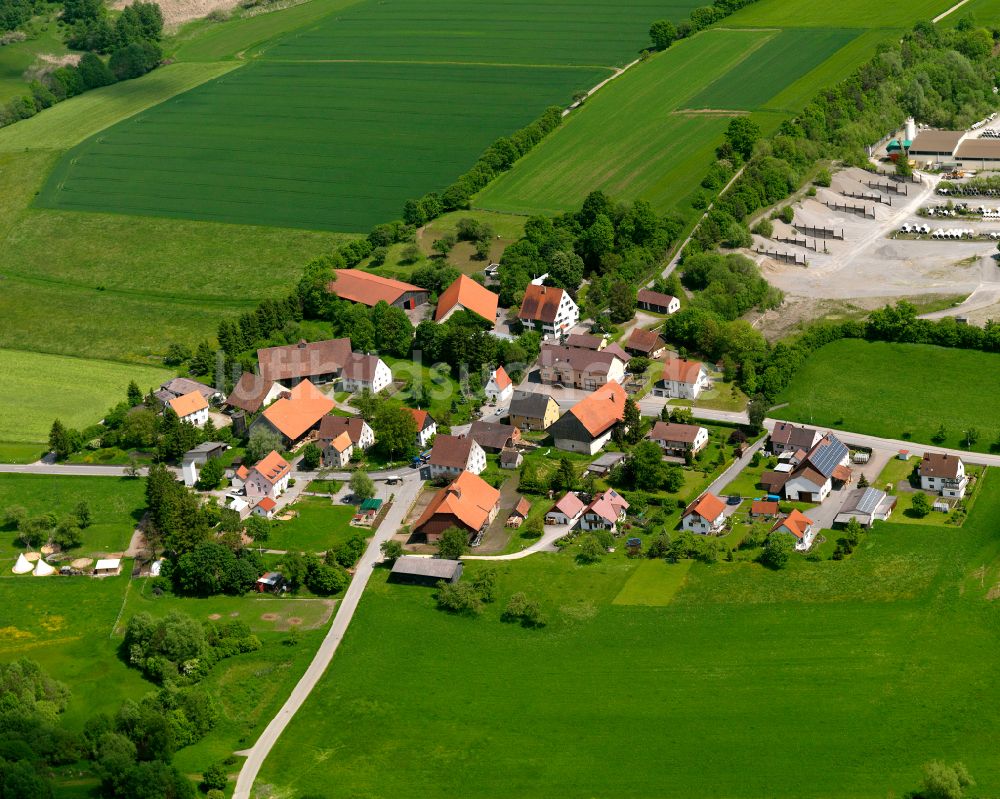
[271,582]
[108,567]
[425,571]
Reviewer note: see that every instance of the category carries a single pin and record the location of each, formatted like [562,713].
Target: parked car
[734,499]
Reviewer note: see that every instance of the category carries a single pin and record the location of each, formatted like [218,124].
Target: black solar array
[827,456]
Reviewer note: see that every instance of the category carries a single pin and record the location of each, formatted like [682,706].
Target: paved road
[79,469]
[724,479]
[256,755]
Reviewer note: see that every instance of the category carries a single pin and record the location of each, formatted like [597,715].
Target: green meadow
[40,388]
[889,653]
[116,506]
[902,391]
[846,14]
[319,526]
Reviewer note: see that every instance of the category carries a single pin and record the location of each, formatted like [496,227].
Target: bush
[215,778]
[521,609]
[823,178]
[787,214]
[764,228]
[460,597]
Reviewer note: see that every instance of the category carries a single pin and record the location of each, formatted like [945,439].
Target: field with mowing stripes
[772,66]
[308,145]
[845,14]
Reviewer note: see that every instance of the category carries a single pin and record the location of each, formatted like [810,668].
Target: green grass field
[325,146]
[40,388]
[771,67]
[715,678]
[116,506]
[319,526]
[850,13]
[18,57]
[627,140]
[985,12]
[898,391]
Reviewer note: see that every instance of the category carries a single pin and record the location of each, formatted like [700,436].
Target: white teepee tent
[23,565]
[42,569]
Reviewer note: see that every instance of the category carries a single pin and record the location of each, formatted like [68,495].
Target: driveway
[718,486]
[544,544]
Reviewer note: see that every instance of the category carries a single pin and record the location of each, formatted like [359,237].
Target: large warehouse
[957,148]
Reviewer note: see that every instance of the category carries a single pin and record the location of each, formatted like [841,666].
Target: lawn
[116,505]
[40,388]
[901,391]
[255,146]
[714,678]
[319,526]
[654,583]
[16,58]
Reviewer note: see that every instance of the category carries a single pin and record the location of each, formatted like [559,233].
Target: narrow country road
[258,753]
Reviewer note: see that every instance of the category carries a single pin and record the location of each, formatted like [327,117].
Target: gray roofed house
[584,341]
[425,571]
[531,411]
[787,437]
[317,361]
[867,505]
[179,386]
[493,436]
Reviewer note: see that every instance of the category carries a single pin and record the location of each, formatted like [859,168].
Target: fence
[785,257]
[878,198]
[819,232]
[888,187]
[804,243]
[899,178]
[867,213]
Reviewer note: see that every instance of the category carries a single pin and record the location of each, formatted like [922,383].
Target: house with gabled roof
[531,411]
[499,388]
[252,392]
[548,309]
[365,373]
[426,426]
[191,408]
[567,510]
[519,513]
[657,302]
[705,516]
[179,386]
[316,361]
[579,368]
[339,451]
[364,288]
[587,426]
[798,525]
[605,512]
[943,473]
[682,379]
[468,502]
[266,507]
[296,413]
[813,478]
[586,341]
[677,439]
[494,436]
[465,294]
[268,477]
[452,455]
[359,431]
[867,506]
[645,343]
[788,437]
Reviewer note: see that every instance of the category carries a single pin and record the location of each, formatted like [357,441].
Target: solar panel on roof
[827,457]
[869,500]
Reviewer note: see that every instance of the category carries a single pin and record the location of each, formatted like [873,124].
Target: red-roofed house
[645,343]
[269,477]
[296,413]
[799,525]
[191,408]
[426,426]
[465,294]
[316,361]
[763,507]
[682,379]
[266,508]
[679,439]
[368,289]
[500,388]
[605,512]
[706,515]
[548,309]
[339,451]
[567,510]
[469,503]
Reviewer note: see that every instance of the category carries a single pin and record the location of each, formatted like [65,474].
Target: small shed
[519,513]
[510,458]
[271,582]
[266,508]
[606,462]
[108,567]
[371,504]
[425,571]
[634,546]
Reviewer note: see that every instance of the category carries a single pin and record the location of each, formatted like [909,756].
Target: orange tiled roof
[305,406]
[708,506]
[681,371]
[188,403]
[796,523]
[468,498]
[342,442]
[501,378]
[540,303]
[601,409]
[421,418]
[267,504]
[273,466]
[470,295]
[368,289]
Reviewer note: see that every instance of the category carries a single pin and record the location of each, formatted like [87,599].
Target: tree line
[132,43]
[664,32]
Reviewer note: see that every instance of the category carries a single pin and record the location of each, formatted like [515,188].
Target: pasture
[847,14]
[714,678]
[319,526]
[902,391]
[116,506]
[40,388]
